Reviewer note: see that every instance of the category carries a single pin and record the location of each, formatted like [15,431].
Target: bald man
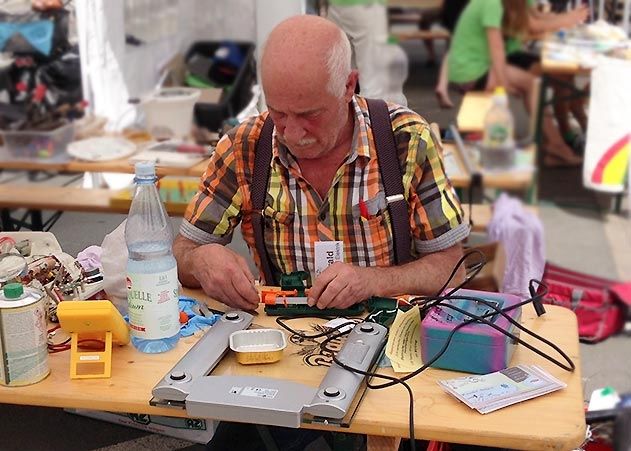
[324,185]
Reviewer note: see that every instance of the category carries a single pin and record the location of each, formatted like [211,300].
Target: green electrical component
[297,280]
[305,310]
[300,281]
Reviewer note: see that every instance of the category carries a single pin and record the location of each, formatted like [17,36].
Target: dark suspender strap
[258,191]
[391,178]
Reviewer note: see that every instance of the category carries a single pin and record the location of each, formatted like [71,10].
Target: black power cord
[473,270]
[473,318]
[427,302]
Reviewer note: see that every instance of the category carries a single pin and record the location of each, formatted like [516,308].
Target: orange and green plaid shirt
[295,214]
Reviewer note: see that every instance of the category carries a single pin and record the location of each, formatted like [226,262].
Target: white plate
[101,148]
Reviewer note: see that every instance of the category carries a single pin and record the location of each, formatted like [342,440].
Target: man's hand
[224,276]
[45,5]
[340,286]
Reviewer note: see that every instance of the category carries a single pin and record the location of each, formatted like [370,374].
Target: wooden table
[36,198]
[121,165]
[551,422]
[557,67]
[517,180]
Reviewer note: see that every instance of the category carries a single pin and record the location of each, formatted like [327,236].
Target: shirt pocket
[373,236]
[279,237]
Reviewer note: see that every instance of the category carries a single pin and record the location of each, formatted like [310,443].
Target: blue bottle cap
[145,169]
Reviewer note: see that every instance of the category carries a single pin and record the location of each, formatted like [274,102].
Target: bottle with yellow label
[498,144]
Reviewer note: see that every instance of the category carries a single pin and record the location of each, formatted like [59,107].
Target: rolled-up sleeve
[214,211]
[436,214]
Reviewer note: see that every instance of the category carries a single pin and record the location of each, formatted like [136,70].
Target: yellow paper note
[404,341]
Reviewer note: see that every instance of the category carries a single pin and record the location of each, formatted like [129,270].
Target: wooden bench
[35,199]
[421,35]
[414,12]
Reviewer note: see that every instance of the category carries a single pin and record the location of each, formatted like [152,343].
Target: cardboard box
[195,430]
[491,277]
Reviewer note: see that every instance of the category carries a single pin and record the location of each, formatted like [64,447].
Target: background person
[477,61]
[365,22]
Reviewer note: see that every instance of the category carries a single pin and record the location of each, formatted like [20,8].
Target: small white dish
[101,148]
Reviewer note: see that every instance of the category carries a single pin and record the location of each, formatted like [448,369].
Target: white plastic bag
[114,263]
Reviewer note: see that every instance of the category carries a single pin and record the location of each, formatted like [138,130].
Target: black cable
[280,320]
[427,302]
[482,319]
[476,318]
[474,271]
[474,184]
[330,337]
[473,318]
[394,380]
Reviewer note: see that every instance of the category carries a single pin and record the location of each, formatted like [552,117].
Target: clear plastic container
[258,345]
[152,283]
[498,144]
[39,145]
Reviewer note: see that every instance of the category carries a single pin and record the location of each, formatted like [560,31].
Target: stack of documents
[489,392]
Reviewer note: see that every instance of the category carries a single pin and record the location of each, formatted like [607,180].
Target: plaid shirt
[295,215]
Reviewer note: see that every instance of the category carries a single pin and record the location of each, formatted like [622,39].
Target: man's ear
[351,84]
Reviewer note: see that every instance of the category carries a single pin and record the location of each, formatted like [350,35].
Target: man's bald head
[304,50]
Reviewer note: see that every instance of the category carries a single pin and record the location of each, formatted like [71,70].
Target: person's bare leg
[442,87]
[575,106]
[431,52]
[562,107]
[556,151]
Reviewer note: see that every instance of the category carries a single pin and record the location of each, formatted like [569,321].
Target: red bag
[600,304]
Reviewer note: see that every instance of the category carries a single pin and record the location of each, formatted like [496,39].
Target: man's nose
[294,132]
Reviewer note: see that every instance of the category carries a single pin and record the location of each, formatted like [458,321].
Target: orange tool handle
[268,297]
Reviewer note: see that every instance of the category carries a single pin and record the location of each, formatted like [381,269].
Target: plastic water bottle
[152,283]
[498,144]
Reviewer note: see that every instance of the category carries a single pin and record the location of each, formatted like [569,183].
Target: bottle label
[497,135]
[153,304]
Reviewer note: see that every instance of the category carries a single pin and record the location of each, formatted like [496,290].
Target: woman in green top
[477,58]
[477,61]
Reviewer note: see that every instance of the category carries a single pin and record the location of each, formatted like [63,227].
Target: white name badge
[327,253]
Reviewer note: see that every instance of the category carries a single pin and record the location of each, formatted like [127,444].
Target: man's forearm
[423,276]
[183,251]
